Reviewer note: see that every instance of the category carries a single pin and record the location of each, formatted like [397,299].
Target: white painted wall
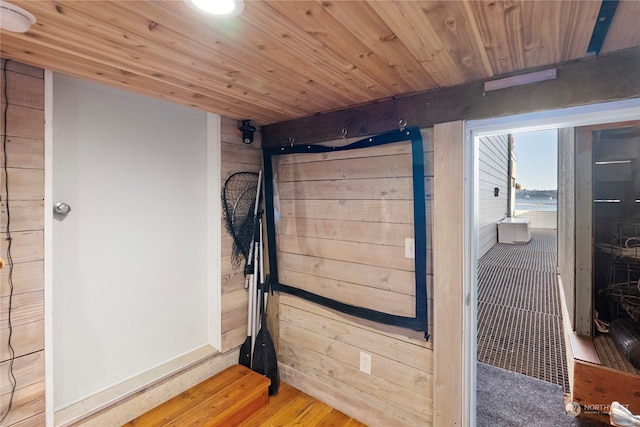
[130,265]
[493,163]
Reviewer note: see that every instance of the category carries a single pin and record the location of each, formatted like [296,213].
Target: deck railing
[540,218]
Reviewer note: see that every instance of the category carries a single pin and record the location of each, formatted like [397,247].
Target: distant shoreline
[536,194]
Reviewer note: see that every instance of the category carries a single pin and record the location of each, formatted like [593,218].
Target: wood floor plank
[230,407]
[314,413]
[239,397]
[336,419]
[276,403]
[190,398]
[290,414]
[293,407]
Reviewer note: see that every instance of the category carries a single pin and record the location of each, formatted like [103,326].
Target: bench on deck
[514,231]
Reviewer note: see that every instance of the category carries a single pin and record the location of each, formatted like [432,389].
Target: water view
[541,211]
[536,203]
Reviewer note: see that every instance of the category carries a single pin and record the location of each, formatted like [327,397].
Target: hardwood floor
[238,396]
[291,407]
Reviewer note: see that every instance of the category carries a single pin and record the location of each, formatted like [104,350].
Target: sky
[537,159]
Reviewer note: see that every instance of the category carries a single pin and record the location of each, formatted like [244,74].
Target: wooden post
[448,270]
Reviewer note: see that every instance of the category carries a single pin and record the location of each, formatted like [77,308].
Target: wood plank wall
[346,208]
[25,161]
[319,349]
[236,157]
[493,165]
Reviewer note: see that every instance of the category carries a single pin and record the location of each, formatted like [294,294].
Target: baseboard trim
[111,396]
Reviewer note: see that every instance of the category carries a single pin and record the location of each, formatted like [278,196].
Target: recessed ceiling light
[14,18]
[219,7]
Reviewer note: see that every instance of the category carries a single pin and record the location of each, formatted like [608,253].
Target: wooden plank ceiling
[282,60]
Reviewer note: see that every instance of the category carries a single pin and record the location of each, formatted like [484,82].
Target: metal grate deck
[519,316]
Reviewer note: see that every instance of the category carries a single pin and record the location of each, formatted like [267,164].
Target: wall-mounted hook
[291,141]
[403,124]
[345,131]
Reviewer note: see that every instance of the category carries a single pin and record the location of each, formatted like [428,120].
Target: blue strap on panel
[420,321]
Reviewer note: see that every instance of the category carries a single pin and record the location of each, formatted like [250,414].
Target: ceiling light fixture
[226,8]
[14,18]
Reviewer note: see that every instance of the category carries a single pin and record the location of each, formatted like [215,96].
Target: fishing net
[238,201]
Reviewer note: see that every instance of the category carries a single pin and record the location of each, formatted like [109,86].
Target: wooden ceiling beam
[587,81]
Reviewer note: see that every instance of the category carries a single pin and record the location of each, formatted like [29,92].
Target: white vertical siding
[494,172]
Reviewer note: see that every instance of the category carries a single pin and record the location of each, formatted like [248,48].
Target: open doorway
[559,119]
[519,312]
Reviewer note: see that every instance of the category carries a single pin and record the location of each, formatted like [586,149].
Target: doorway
[575,116]
[519,312]
[520,336]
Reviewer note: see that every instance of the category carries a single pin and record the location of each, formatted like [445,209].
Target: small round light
[14,18]
[219,7]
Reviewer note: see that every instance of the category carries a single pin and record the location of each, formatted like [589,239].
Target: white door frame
[609,112]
